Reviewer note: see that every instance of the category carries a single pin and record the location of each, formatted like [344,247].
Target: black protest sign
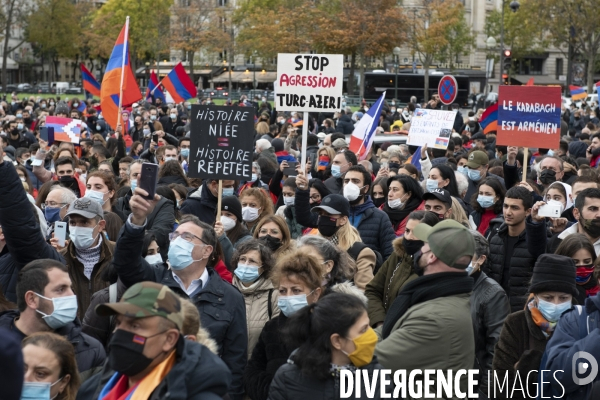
[222,142]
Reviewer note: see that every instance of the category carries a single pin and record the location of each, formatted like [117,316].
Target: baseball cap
[478,136]
[334,204]
[448,241]
[477,158]
[321,135]
[85,207]
[440,194]
[146,299]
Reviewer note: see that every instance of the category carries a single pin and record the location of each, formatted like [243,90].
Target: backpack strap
[269,305]
[584,329]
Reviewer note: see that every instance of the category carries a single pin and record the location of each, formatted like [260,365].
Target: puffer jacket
[489,309]
[258,310]
[526,251]
[374,226]
[101,328]
[21,228]
[395,272]
[197,374]
[291,384]
[89,353]
[201,203]
[82,286]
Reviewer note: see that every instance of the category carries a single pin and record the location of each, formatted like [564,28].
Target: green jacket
[436,334]
[395,272]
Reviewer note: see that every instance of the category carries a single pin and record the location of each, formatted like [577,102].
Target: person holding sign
[202,202]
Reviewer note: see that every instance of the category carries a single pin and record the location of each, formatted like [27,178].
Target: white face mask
[250,214]
[393,204]
[228,223]
[173,116]
[154,259]
[289,201]
[351,191]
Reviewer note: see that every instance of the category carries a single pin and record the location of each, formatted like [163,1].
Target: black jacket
[89,353]
[19,222]
[221,306]
[472,189]
[303,214]
[291,384]
[345,125]
[169,126]
[169,179]
[268,355]
[101,328]
[160,221]
[375,227]
[489,308]
[526,251]
[335,185]
[201,203]
[197,374]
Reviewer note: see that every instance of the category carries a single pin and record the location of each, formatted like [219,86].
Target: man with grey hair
[368,165]
[264,149]
[489,309]
[55,207]
[21,240]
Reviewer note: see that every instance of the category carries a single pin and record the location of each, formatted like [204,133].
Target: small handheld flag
[577,92]
[179,85]
[90,84]
[364,131]
[153,89]
[489,119]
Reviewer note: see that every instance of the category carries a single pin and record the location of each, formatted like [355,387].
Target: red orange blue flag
[90,84]
[577,92]
[119,87]
[179,85]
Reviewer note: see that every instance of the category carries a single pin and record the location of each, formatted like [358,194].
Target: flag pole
[125,44]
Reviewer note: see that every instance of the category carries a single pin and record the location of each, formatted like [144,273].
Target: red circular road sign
[448,89]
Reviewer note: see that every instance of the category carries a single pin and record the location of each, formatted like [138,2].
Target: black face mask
[394,165]
[591,227]
[71,183]
[327,226]
[271,242]
[416,267]
[547,176]
[378,201]
[125,352]
[412,246]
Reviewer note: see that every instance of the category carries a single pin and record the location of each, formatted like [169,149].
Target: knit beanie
[554,273]
[277,144]
[232,205]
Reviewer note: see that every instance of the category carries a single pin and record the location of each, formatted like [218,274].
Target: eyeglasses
[52,204]
[188,237]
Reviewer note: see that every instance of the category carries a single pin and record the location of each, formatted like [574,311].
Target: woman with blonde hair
[49,360]
[256,205]
[458,214]
[323,161]
[275,234]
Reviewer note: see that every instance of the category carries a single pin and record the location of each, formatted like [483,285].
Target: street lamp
[490,43]
[514,6]
[254,70]
[396,55]
[147,73]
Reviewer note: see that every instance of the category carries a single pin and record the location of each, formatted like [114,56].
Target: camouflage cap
[146,299]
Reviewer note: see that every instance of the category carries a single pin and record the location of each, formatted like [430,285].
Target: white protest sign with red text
[309,82]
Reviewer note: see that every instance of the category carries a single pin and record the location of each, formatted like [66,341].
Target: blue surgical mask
[37,390]
[227,192]
[463,170]
[180,254]
[185,153]
[254,178]
[290,304]
[19,115]
[94,195]
[550,153]
[52,214]
[98,127]
[247,273]
[146,131]
[65,311]
[485,201]
[133,185]
[470,268]
[552,311]
[432,184]
[473,174]
[19,126]
[336,171]
[153,117]
[288,201]
[82,237]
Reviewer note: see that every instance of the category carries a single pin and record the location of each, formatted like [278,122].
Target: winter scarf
[397,215]
[423,289]
[546,326]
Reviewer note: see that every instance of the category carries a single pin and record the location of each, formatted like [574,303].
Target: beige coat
[256,297]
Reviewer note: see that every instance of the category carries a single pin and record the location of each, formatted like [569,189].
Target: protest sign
[222,142]
[431,127]
[529,116]
[309,82]
[65,129]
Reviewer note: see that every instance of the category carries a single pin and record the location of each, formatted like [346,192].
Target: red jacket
[223,272]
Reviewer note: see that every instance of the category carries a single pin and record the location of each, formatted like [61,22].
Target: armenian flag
[90,84]
[119,87]
[577,92]
[154,91]
[489,119]
[179,85]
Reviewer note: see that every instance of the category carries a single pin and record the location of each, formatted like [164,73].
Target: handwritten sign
[309,82]
[529,116]
[222,142]
[431,127]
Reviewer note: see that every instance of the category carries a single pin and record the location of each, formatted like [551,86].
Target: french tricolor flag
[364,131]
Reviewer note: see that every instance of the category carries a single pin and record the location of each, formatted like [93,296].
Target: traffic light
[506,65]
